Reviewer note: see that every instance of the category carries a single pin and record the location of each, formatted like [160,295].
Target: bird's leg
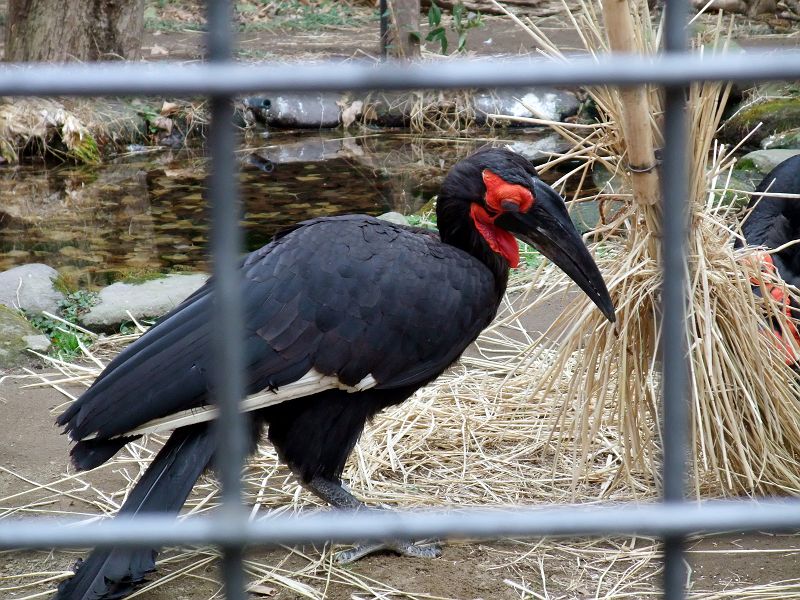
[334,493]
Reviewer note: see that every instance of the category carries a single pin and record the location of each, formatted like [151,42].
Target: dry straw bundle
[745,409]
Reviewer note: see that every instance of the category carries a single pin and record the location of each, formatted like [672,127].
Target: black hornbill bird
[344,317]
[773,222]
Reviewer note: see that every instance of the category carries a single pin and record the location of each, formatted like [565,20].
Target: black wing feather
[349,296]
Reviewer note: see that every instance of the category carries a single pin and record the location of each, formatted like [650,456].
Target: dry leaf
[370,114]
[169,108]
[350,113]
[157,50]
[163,123]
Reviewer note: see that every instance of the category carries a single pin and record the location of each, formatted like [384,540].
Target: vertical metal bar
[674,344]
[228,331]
[384,8]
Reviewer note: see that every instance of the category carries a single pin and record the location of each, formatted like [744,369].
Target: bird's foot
[402,547]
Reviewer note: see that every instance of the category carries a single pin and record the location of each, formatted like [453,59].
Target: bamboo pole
[635,108]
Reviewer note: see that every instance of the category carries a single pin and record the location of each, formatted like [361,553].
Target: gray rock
[40,343]
[143,300]
[394,217]
[546,103]
[540,150]
[30,287]
[766,160]
[745,180]
[14,332]
[389,109]
[305,110]
[784,139]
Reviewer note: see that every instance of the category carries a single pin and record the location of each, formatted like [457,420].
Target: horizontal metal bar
[215,79]
[670,519]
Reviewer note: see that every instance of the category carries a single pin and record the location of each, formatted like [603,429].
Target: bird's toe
[402,547]
[413,550]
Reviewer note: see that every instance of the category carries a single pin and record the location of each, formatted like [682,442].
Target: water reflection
[146,212]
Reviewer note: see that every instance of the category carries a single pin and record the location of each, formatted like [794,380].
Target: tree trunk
[73,30]
[404,40]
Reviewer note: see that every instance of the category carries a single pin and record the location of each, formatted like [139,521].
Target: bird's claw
[402,547]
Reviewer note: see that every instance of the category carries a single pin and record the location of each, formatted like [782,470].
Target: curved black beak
[547,227]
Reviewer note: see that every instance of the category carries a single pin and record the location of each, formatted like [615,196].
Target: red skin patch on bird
[499,191]
[498,239]
[779,295]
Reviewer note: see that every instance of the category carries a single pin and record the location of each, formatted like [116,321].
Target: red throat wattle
[499,191]
[498,239]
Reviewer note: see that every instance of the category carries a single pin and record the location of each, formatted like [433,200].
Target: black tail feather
[89,454]
[163,489]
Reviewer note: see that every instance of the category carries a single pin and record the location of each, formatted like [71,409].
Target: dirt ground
[498,36]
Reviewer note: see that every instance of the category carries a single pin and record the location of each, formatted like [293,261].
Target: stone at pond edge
[40,343]
[304,110]
[323,110]
[766,160]
[540,150]
[30,287]
[551,104]
[389,109]
[394,217]
[143,300]
[15,333]
[783,139]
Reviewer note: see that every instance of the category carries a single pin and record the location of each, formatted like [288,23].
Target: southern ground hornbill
[344,317]
[774,222]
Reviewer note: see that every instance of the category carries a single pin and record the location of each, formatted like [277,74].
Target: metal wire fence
[672,519]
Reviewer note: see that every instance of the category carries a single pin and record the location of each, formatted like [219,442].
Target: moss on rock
[14,328]
[776,114]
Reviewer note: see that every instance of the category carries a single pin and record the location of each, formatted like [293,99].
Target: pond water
[145,212]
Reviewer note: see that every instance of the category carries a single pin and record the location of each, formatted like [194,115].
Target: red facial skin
[498,193]
[779,295]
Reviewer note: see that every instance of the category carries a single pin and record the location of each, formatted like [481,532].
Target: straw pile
[745,409]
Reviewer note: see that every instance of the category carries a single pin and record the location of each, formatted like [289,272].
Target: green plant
[76,304]
[530,257]
[426,219]
[129,327]
[66,340]
[86,151]
[462,21]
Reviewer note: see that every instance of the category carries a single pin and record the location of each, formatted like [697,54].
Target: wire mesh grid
[672,519]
